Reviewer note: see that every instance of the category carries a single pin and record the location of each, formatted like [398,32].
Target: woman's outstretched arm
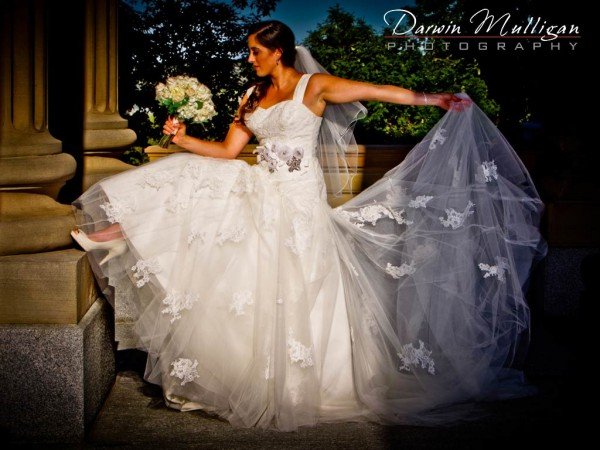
[235,141]
[341,90]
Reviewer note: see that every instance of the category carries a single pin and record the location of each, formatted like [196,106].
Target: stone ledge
[156,152]
[45,288]
[55,378]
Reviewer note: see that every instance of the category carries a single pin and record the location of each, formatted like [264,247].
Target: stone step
[32,223]
[46,288]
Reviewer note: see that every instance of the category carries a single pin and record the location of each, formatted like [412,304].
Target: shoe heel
[117,249]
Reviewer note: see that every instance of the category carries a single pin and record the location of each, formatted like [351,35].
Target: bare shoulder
[318,85]
[318,81]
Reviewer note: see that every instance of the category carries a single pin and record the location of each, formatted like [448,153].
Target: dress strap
[301,87]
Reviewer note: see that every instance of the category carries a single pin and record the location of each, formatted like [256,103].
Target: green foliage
[135,156]
[172,107]
[203,39]
[350,48]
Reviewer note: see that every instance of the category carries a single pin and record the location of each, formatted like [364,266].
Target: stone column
[55,332]
[30,158]
[106,132]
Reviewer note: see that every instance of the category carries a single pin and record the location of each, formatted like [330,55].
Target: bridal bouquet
[186,99]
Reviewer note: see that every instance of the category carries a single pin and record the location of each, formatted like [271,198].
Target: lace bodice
[287,134]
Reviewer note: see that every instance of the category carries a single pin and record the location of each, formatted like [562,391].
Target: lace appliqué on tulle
[300,239]
[185,370]
[144,268]
[214,185]
[415,357]
[240,300]
[438,138]
[490,171]
[156,180]
[497,270]
[116,209]
[178,202]
[200,181]
[371,214]
[457,219]
[299,353]
[235,234]
[178,302]
[400,271]
[196,234]
[420,201]
[206,177]
[244,183]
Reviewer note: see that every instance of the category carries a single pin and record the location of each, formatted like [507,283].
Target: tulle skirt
[258,302]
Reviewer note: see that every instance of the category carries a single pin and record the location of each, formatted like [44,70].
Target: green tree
[350,48]
[204,39]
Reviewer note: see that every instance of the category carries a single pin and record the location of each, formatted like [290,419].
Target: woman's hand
[176,128]
[446,101]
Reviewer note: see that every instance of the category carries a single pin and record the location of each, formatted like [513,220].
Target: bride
[260,303]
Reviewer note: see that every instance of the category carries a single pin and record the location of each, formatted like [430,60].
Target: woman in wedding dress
[260,303]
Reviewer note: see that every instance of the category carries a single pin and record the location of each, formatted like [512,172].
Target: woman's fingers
[171,126]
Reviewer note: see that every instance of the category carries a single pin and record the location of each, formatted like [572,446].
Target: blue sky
[304,15]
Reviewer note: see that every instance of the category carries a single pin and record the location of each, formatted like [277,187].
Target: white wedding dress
[259,302]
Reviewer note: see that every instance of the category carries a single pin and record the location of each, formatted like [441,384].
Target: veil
[336,147]
[436,257]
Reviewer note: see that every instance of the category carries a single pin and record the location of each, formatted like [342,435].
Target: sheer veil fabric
[456,227]
[257,301]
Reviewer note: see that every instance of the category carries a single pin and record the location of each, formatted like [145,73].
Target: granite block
[564,285]
[54,378]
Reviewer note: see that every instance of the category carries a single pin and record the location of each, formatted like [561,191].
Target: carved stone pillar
[52,322]
[106,131]
[30,158]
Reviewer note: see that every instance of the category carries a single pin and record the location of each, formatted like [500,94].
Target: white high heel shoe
[115,247]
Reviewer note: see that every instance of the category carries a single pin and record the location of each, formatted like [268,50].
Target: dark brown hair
[274,35]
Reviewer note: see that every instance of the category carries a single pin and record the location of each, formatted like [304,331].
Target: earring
[277,63]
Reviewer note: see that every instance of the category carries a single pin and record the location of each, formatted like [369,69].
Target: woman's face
[263,59]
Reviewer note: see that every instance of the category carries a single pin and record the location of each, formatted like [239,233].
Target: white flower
[133,110]
[284,152]
[195,98]
[177,93]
